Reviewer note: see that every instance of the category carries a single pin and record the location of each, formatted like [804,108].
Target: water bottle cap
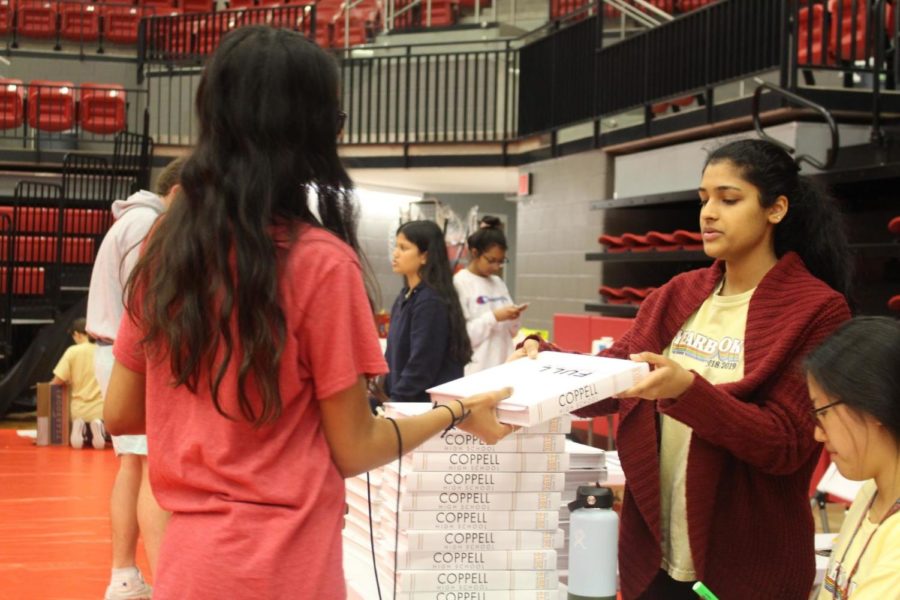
[592,496]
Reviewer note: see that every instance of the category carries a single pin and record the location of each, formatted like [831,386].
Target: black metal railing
[415,96]
[561,75]
[189,38]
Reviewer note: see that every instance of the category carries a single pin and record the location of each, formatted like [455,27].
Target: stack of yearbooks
[472,517]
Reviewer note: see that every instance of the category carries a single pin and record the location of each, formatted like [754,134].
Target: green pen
[703,591]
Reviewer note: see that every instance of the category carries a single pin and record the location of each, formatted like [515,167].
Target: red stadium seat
[810,35]
[36,19]
[79,21]
[689,5]
[848,30]
[51,105]
[27,281]
[162,5]
[36,219]
[197,6]
[120,23]
[78,250]
[6,16]
[12,103]
[30,248]
[86,221]
[102,108]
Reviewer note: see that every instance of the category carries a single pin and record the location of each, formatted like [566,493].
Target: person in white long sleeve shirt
[492,318]
[133,508]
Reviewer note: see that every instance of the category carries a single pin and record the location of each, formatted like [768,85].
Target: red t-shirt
[257,513]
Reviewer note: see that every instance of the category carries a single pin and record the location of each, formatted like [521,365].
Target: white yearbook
[553,384]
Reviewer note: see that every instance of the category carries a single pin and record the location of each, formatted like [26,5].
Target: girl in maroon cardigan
[717,442]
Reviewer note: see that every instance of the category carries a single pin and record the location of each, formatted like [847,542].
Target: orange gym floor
[54,520]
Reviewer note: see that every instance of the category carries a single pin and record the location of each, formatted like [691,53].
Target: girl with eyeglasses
[717,442]
[854,384]
[492,318]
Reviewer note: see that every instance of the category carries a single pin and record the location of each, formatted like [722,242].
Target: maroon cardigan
[752,453]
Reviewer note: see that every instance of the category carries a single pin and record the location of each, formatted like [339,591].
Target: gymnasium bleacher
[416,75]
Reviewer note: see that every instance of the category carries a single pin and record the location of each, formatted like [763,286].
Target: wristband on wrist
[455,420]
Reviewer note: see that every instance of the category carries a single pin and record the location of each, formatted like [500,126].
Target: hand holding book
[482,421]
[530,348]
[668,379]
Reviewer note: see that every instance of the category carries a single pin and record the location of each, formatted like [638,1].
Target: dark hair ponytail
[436,274]
[858,366]
[488,234]
[813,226]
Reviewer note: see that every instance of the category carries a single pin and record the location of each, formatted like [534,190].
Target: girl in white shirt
[492,319]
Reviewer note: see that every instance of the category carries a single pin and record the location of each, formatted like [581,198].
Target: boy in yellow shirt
[76,370]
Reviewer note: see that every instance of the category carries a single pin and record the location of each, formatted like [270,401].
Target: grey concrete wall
[555,227]
[380,216]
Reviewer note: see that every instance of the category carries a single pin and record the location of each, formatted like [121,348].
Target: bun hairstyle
[488,234]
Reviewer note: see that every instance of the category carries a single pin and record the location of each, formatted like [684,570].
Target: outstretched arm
[360,441]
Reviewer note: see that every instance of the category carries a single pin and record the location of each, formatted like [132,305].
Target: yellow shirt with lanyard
[865,560]
[711,342]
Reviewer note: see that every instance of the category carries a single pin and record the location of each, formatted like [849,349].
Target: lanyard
[844,592]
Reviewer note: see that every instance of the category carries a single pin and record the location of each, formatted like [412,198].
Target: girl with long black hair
[427,340]
[717,442]
[249,338]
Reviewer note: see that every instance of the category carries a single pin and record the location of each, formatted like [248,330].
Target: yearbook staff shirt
[711,343]
[878,568]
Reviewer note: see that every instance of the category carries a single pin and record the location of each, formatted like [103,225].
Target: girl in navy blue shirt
[427,341]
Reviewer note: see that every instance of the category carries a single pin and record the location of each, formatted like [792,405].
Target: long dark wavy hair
[435,273]
[207,284]
[813,226]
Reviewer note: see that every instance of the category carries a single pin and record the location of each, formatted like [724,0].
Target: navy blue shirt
[417,347]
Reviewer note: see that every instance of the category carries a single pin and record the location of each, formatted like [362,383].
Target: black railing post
[895,30]
[877,19]
[141,49]
[406,114]
[58,23]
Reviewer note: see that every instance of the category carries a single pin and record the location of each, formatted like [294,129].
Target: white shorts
[103,364]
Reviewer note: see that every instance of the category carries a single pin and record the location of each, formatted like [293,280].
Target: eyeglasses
[818,413]
[495,261]
[341,119]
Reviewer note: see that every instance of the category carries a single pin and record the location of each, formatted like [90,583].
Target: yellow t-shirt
[878,573]
[711,342]
[76,368]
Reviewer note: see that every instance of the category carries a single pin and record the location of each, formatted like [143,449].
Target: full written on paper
[554,384]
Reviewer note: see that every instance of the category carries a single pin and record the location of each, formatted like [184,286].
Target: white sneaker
[132,588]
[79,432]
[98,434]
